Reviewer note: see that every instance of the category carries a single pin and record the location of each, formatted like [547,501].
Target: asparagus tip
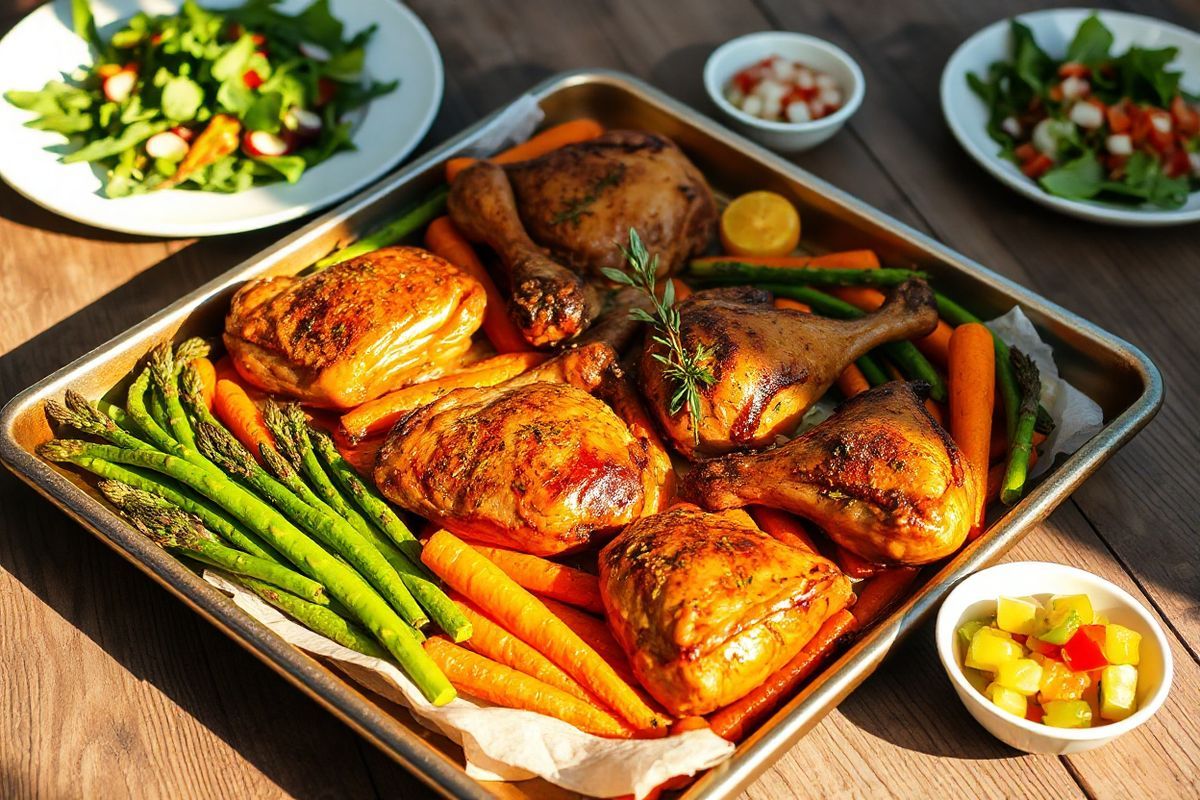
[154,516]
[190,349]
[223,450]
[61,449]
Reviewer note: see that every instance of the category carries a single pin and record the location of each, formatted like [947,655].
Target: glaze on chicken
[555,221]
[356,330]
[544,463]
[882,478]
[770,364]
[706,606]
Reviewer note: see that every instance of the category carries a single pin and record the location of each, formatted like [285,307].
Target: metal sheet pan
[1114,373]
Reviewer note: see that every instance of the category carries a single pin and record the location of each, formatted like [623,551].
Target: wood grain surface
[111,688]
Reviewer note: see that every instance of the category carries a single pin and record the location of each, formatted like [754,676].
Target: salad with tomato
[210,100]
[1095,125]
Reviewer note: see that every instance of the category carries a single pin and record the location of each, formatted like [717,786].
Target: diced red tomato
[1025,152]
[1074,69]
[1037,166]
[1083,653]
[1187,118]
[1118,118]
[1056,93]
[252,79]
[1098,103]
[1176,162]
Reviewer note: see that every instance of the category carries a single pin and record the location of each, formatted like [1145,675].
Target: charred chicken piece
[770,364]
[554,221]
[356,330]
[707,606]
[545,463]
[882,478]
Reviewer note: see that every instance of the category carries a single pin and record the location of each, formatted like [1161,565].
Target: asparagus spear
[367,498]
[1022,443]
[174,529]
[135,406]
[412,219]
[118,415]
[906,355]
[319,619]
[163,377]
[227,453]
[78,413]
[189,350]
[341,581]
[734,271]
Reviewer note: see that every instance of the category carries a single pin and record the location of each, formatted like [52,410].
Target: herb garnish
[580,206]
[687,370]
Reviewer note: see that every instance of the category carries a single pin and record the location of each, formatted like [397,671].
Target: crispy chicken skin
[707,606]
[356,330]
[545,463]
[770,364]
[554,222]
[882,478]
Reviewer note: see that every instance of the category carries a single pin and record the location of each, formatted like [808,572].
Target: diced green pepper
[1057,625]
[1067,714]
[968,631]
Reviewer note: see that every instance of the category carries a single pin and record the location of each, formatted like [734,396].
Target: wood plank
[1143,500]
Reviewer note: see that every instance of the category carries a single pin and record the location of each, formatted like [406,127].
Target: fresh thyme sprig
[687,370]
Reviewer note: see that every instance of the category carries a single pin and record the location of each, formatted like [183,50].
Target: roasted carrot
[471,574]
[479,676]
[208,379]
[234,407]
[794,305]
[936,410]
[881,592]
[443,239]
[573,132]
[737,719]
[218,139]
[380,414]
[547,578]
[852,382]
[596,633]
[682,290]
[972,387]
[783,526]
[490,639]
[847,259]
[936,346]
[855,565]
[689,724]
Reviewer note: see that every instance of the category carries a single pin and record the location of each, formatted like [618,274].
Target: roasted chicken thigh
[356,330]
[707,606]
[882,478]
[555,221]
[544,463]
[770,364]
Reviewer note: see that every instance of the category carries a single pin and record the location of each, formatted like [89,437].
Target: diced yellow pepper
[1060,683]
[1067,714]
[1118,691]
[1122,645]
[1079,602]
[1007,699]
[1016,614]
[1022,675]
[1099,619]
[990,648]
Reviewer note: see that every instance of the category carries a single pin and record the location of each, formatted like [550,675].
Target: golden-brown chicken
[544,463]
[707,606]
[770,364]
[555,221]
[882,478]
[356,330]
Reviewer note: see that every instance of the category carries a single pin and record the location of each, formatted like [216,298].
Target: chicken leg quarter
[882,478]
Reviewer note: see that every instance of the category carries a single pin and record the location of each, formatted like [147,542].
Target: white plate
[42,46]
[1054,29]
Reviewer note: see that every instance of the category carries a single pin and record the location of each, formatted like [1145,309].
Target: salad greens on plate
[209,100]
[1095,125]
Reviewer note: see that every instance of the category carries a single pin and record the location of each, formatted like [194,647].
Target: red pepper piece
[1083,653]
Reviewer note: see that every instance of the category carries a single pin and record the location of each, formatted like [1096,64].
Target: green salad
[212,100]
[1095,124]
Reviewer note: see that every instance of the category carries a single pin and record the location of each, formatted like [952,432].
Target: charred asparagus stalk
[1030,383]
[740,272]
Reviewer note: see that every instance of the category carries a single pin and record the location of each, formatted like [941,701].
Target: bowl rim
[857,93]
[945,629]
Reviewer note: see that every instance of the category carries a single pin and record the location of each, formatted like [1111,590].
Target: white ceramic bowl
[975,598]
[967,115]
[787,137]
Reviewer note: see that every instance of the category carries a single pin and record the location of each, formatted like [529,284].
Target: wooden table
[112,688]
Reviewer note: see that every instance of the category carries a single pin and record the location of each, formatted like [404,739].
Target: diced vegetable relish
[1058,663]
[781,90]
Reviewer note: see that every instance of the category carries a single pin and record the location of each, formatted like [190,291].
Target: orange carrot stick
[491,640]
[443,239]
[577,130]
[208,379]
[972,386]
[848,259]
[936,346]
[855,565]
[474,576]
[598,636]
[380,414]
[852,382]
[783,526]
[481,677]
[234,407]
[881,592]
[546,578]
[737,719]
[794,305]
